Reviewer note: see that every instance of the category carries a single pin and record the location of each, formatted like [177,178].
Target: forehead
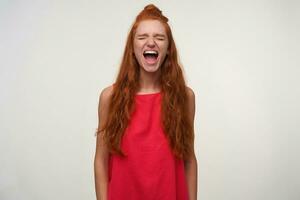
[150,26]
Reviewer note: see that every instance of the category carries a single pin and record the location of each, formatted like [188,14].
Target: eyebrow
[155,35]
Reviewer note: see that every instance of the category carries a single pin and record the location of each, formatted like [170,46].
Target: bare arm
[190,164]
[102,154]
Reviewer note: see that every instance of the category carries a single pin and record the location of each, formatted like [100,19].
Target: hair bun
[152,8]
[150,11]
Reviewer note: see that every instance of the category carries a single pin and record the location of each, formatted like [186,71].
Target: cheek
[137,48]
[164,45]
[165,48]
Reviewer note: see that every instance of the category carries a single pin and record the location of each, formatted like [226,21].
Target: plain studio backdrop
[240,58]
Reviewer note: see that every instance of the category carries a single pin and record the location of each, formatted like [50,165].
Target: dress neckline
[148,94]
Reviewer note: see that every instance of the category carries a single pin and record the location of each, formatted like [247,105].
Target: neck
[149,81]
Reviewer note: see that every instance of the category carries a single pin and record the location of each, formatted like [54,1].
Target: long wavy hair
[174,108]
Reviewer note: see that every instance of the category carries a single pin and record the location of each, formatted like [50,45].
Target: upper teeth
[151,52]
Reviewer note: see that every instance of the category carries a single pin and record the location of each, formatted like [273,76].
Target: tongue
[150,59]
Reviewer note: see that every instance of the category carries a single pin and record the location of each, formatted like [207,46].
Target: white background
[240,58]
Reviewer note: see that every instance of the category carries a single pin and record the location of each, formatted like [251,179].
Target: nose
[150,42]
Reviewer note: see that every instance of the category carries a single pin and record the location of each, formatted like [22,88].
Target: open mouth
[150,56]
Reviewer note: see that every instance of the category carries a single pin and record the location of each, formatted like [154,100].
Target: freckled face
[150,45]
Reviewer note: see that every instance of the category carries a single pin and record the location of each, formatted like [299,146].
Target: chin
[150,69]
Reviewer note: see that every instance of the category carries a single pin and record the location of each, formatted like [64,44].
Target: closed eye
[161,39]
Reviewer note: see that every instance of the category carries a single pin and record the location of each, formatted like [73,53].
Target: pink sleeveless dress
[150,171]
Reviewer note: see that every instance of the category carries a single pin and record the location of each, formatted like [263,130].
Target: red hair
[174,111]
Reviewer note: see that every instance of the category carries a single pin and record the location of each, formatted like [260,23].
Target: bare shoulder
[191,102]
[106,94]
[104,99]
[190,93]
[103,106]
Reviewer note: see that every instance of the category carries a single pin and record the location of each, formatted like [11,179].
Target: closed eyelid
[155,35]
[141,36]
[160,37]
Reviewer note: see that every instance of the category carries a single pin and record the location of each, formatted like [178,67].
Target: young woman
[145,135]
